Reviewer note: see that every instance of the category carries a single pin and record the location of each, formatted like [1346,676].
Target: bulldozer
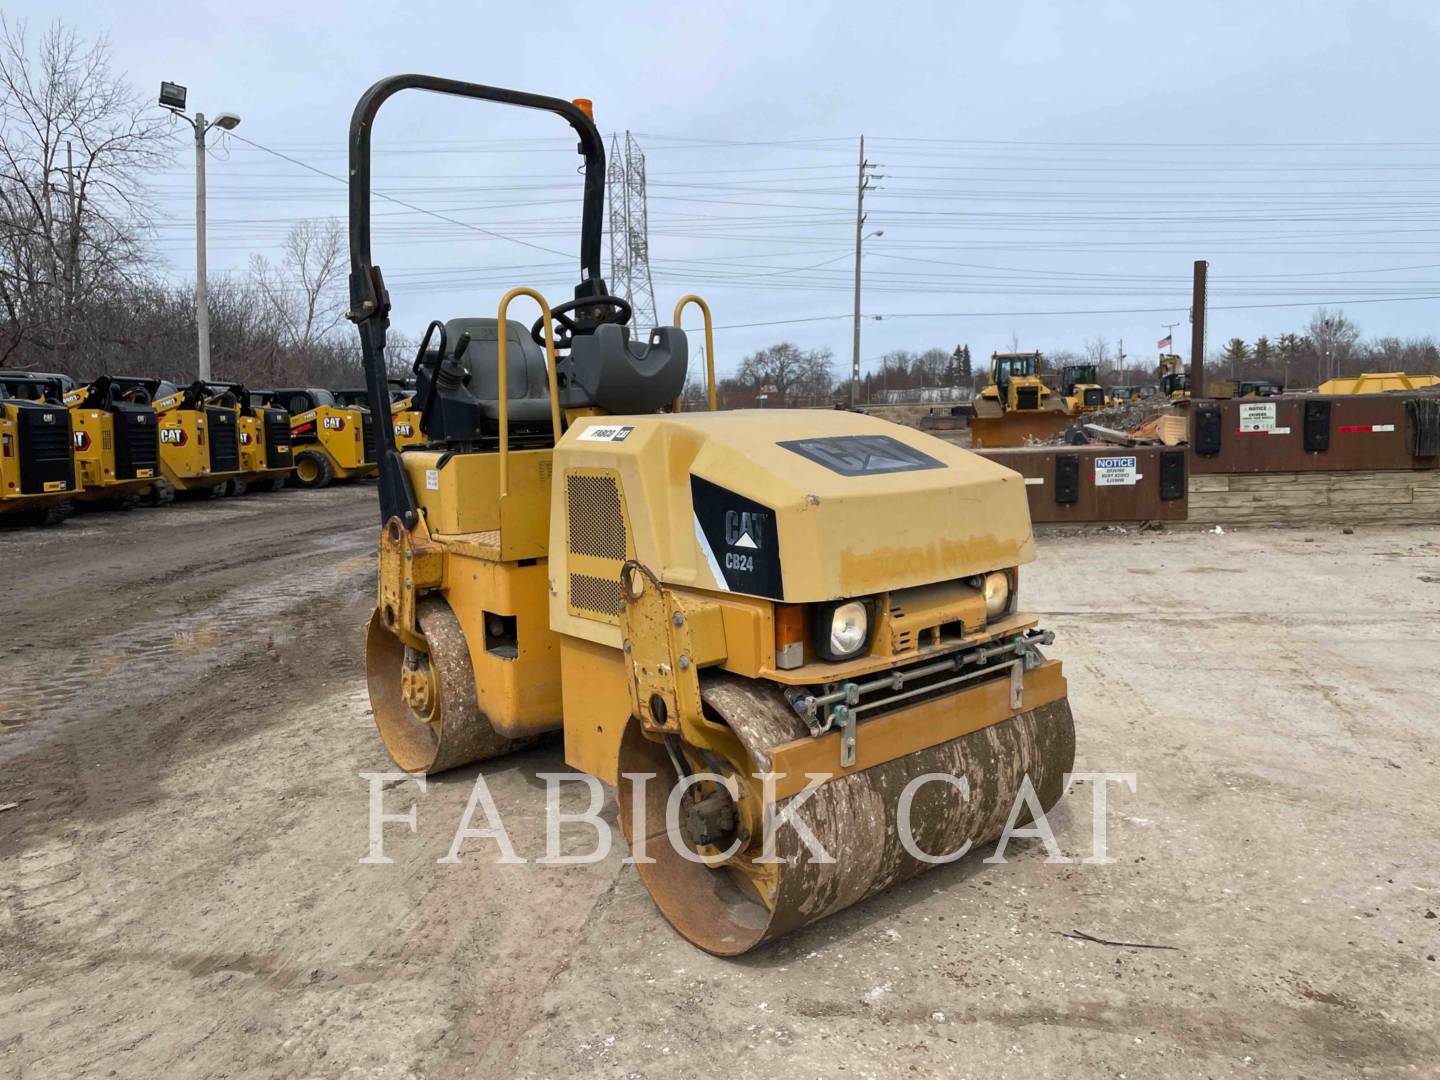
[1081,389]
[735,618]
[330,441]
[37,466]
[1016,406]
[116,434]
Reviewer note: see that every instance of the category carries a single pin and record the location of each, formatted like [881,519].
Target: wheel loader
[1081,389]
[1016,407]
[116,434]
[37,467]
[780,615]
[330,441]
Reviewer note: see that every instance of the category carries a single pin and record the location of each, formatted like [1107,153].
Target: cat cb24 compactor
[37,466]
[723,593]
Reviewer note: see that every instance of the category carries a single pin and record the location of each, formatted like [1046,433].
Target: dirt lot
[183,724]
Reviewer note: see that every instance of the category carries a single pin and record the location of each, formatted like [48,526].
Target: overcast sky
[1038,157]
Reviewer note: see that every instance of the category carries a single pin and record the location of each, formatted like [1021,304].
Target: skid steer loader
[1016,407]
[403,409]
[264,439]
[116,434]
[37,466]
[330,441]
[771,613]
[199,439]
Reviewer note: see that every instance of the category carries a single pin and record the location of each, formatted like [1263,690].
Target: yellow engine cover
[793,505]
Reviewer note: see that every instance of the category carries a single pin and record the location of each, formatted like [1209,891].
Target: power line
[402,202]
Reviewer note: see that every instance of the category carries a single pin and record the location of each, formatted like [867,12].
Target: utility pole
[862,184]
[1197,330]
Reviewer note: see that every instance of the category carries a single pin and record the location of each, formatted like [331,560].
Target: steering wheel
[569,328]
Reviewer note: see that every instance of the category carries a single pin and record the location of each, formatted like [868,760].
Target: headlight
[997,593]
[842,631]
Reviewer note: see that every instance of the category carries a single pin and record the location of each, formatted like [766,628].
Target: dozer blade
[855,817]
[424,703]
[1017,428]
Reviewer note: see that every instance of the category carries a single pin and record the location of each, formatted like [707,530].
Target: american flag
[1164,342]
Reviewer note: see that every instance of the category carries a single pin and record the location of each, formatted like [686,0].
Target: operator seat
[621,376]
[603,369]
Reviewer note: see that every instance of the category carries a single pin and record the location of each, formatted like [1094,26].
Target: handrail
[709,345]
[504,387]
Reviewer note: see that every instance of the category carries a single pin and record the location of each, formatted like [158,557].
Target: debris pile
[1135,423]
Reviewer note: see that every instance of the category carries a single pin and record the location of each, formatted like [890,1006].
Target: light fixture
[172,95]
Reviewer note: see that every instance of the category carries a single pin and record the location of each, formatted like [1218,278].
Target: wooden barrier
[1092,484]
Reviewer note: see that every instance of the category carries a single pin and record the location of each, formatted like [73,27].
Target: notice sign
[1257,416]
[1116,472]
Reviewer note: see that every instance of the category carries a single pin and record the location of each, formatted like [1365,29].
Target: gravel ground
[183,726]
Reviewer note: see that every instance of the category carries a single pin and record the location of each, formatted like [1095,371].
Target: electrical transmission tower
[629,236]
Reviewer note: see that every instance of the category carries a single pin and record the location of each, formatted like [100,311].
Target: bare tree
[304,295]
[789,372]
[1097,352]
[1334,337]
[75,142]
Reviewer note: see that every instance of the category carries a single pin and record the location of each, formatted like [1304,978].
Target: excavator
[1016,407]
[742,618]
[1081,389]
[37,467]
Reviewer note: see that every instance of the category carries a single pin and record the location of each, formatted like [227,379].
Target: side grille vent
[599,544]
[594,594]
[597,526]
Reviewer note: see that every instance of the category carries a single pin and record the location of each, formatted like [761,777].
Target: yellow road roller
[116,437]
[772,623]
[330,441]
[37,468]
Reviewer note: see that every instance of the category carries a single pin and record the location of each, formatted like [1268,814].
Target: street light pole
[202,294]
[172,97]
